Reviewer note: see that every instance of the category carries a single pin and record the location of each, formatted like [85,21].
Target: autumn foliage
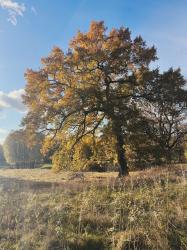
[103,87]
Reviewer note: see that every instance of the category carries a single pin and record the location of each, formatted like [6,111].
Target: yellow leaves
[74,91]
[87,152]
[56,56]
[89,43]
[97,29]
[47,144]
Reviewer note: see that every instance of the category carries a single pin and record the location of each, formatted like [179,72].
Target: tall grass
[147,211]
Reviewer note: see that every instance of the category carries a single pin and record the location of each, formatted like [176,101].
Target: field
[43,210]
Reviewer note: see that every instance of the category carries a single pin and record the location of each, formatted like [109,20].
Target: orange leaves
[97,31]
[91,42]
[73,92]
[56,57]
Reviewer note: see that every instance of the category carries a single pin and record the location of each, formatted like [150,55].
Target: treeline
[101,105]
[18,153]
[2,157]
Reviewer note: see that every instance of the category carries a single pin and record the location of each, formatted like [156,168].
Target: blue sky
[30,28]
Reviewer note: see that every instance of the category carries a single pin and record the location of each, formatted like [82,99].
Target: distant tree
[99,80]
[18,153]
[2,158]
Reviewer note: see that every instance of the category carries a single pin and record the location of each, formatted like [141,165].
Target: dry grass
[70,179]
[47,175]
[50,176]
[147,210]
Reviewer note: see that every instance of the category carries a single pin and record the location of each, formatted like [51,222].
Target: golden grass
[47,175]
[147,210]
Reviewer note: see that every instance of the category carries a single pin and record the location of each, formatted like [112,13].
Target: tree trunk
[169,156]
[123,167]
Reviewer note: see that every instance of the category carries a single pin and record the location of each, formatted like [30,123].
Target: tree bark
[168,156]
[121,155]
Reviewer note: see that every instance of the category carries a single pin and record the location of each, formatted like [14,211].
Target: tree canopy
[18,153]
[166,113]
[104,78]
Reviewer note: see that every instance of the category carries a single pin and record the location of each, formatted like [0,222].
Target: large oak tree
[99,80]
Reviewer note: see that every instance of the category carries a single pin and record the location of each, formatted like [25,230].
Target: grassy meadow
[93,125]
[42,210]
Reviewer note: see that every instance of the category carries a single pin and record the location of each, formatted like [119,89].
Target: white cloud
[3,131]
[34,11]
[12,100]
[14,9]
